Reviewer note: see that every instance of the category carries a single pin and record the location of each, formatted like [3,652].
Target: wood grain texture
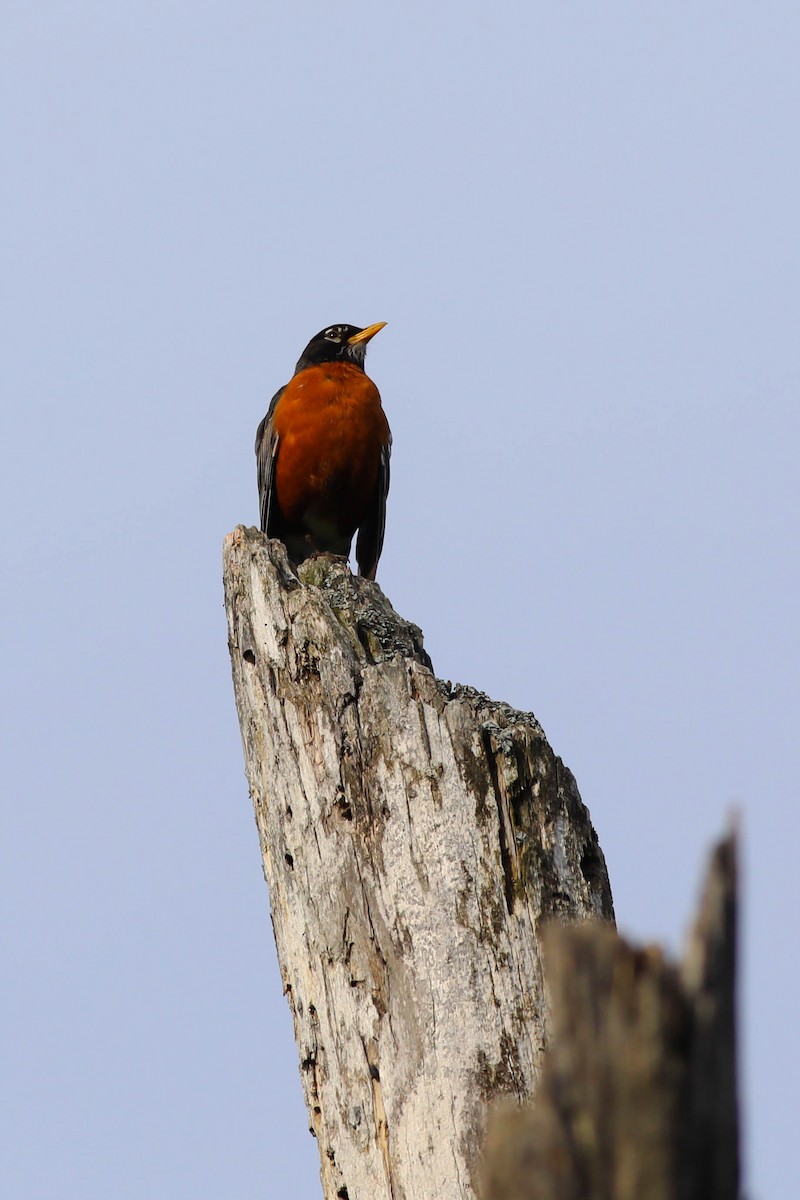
[414,836]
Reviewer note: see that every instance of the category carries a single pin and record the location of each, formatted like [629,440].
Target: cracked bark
[415,836]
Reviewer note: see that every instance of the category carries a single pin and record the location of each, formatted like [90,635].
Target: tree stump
[638,1094]
[415,836]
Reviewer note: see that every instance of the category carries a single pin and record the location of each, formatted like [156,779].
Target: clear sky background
[581,223]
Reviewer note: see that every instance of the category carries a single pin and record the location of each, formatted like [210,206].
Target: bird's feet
[331,557]
[315,551]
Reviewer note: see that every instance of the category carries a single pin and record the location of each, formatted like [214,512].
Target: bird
[322,453]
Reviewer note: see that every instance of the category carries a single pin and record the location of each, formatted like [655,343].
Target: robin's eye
[333,335]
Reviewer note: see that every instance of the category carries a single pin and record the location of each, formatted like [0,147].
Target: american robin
[323,453]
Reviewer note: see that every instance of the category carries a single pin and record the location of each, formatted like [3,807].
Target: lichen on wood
[415,836]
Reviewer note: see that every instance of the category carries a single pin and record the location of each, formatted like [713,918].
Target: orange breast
[331,428]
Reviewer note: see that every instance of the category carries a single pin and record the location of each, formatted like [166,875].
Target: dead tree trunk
[414,836]
[638,1094]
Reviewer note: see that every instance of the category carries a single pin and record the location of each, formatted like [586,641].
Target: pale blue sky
[581,223]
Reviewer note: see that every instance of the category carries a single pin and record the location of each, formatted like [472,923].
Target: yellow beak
[366,334]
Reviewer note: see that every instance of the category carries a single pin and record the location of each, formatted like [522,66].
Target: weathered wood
[414,837]
[638,1094]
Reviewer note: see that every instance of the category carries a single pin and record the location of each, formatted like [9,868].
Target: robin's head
[338,343]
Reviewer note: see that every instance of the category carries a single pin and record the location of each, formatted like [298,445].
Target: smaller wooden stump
[638,1096]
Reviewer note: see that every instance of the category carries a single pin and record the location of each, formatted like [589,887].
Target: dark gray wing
[266,454]
[370,536]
